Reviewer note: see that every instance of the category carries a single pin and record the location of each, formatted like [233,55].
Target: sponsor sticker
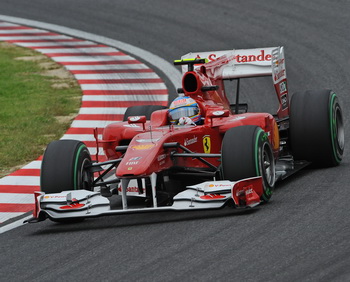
[220,185]
[147,140]
[180,102]
[190,141]
[135,158]
[54,197]
[161,157]
[238,118]
[283,86]
[130,189]
[218,113]
[143,147]
[262,56]
[245,190]
[72,206]
[280,74]
[135,118]
[284,101]
[212,197]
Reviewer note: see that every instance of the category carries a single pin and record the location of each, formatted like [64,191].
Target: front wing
[77,204]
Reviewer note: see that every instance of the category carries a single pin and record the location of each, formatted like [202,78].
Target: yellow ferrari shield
[206,144]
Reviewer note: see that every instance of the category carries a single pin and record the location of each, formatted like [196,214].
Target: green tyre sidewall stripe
[77,155]
[256,152]
[333,124]
[260,134]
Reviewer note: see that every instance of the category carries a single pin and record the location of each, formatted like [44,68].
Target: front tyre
[65,166]
[246,152]
[316,127]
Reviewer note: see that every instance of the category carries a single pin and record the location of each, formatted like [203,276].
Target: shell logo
[143,147]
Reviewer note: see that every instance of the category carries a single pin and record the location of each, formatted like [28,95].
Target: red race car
[202,152]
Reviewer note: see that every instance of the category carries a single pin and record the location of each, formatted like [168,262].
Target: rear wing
[242,63]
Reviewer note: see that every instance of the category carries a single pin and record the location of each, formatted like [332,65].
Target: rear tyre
[145,110]
[316,127]
[65,167]
[246,152]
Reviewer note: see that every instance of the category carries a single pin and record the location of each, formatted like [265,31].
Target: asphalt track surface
[301,235]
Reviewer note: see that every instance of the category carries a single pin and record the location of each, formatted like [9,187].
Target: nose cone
[142,156]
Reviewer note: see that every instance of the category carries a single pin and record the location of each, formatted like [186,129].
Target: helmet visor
[183,112]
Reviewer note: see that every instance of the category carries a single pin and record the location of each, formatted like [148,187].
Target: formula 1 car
[233,158]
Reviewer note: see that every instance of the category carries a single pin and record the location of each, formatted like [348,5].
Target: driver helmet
[183,107]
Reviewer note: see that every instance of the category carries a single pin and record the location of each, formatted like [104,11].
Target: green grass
[33,100]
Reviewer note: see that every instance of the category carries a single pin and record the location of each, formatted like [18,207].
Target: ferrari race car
[230,157]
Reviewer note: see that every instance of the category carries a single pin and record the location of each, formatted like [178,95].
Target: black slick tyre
[145,110]
[246,152]
[316,127]
[65,167]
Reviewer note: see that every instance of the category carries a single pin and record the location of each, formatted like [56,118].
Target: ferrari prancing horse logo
[206,144]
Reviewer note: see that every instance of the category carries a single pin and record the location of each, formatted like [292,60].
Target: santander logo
[260,57]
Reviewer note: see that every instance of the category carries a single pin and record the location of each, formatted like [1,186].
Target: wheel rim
[85,175]
[337,129]
[268,165]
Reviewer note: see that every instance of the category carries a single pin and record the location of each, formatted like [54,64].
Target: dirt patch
[63,78]
[60,85]
[66,119]
[32,58]
[6,45]
[59,73]
[4,172]
[48,65]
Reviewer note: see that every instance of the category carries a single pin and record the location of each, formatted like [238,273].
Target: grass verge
[38,101]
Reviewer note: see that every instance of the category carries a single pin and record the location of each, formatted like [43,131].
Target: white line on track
[91,123]
[76,50]
[9,31]
[5,216]
[81,137]
[13,225]
[33,165]
[15,198]
[20,180]
[7,24]
[106,67]
[102,111]
[121,98]
[125,86]
[131,75]
[93,151]
[84,59]
[35,37]
[48,44]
